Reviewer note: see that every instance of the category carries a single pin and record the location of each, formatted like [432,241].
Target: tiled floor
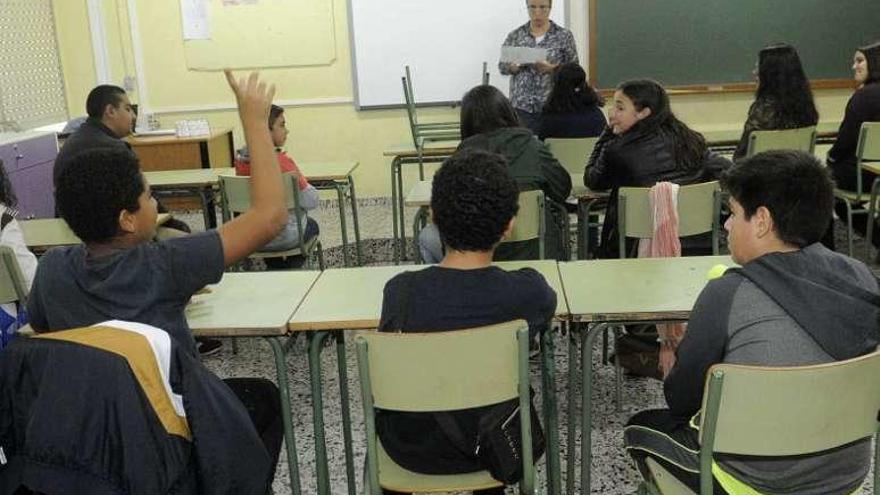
[612,472]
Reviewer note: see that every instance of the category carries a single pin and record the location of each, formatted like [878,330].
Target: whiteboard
[444,42]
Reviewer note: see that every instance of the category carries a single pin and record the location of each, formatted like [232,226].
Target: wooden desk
[257,304]
[351,299]
[623,291]
[403,154]
[174,153]
[45,233]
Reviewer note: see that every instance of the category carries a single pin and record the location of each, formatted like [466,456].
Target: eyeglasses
[539,7]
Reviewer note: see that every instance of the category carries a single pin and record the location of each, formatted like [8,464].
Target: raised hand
[252,96]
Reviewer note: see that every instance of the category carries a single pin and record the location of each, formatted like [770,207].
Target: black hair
[100,97]
[872,57]
[571,92]
[473,198]
[274,112]
[796,189]
[689,147]
[94,188]
[483,109]
[7,195]
[781,79]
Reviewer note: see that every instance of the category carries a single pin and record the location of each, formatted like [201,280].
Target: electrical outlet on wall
[129,83]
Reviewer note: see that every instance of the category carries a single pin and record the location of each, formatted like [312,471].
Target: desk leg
[316,344]
[395,167]
[588,337]
[341,365]
[280,352]
[573,385]
[401,212]
[355,221]
[551,417]
[869,233]
[340,198]
[208,209]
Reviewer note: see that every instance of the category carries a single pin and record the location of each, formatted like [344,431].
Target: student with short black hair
[119,274]
[793,303]
[474,202]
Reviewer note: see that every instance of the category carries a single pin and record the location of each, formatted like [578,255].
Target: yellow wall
[319,132]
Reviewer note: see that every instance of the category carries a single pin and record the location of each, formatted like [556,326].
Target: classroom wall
[318,99]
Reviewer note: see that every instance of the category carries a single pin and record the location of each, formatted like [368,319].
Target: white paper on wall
[196,18]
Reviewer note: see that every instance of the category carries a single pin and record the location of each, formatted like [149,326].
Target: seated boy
[118,274]
[474,200]
[793,303]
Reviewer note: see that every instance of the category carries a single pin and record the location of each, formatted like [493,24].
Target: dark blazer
[588,123]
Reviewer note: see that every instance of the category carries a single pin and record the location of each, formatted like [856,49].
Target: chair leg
[849,228]
[872,211]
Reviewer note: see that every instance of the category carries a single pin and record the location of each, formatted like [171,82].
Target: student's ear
[763,222]
[126,221]
[508,229]
[109,110]
[644,113]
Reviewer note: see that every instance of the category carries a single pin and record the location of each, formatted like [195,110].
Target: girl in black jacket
[644,144]
[574,108]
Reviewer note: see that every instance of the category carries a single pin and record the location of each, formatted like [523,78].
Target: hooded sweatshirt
[800,308]
[532,166]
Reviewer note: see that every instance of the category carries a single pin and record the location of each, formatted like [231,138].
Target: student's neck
[466,260]
[99,249]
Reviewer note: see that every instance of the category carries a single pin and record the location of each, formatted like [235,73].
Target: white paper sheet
[522,54]
[196,18]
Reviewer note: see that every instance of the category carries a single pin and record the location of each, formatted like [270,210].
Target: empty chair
[867,151]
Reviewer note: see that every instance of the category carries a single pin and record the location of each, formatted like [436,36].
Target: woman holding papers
[530,70]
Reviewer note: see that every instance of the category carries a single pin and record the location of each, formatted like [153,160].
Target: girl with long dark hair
[783,99]
[574,108]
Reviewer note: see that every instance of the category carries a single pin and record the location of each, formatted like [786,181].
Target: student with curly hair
[783,99]
[474,201]
[120,274]
[645,143]
[490,123]
[574,108]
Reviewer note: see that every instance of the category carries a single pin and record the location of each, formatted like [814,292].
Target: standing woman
[530,83]
[783,99]
[863,106]
[644,144]
[574,108]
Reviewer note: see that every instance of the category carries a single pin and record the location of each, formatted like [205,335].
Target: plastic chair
[412,372]
[699,207]
[572,153]
[423,133]
[530,223]
[12,285]
[235,197]
[748,410]
[801,139]
[867,150]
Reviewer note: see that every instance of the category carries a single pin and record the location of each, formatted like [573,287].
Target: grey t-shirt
[149,283]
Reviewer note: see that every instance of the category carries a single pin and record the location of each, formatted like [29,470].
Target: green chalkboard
[712,42]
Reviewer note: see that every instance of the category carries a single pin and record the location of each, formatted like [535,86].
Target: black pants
[532,121]
[260,398]
[657,434]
